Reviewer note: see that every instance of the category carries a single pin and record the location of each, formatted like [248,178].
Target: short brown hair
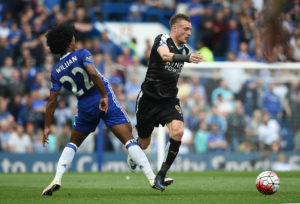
[179,16]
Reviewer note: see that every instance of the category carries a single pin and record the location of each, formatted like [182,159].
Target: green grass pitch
[108,187]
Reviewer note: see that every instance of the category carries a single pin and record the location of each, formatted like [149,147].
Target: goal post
[161,143]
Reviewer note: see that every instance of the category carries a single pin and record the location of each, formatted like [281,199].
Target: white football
[267,182]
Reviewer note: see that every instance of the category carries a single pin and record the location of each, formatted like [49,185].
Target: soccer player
[157,103]
[96,100]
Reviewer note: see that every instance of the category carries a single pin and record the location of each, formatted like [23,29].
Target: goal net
[238,107]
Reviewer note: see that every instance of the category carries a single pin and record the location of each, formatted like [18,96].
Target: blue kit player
[76,72]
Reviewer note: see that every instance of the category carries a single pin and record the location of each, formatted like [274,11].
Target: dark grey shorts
[151,112]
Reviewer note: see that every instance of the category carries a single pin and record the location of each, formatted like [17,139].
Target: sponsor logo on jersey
[174,67]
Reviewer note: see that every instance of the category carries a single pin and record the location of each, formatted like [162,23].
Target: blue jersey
[71,74]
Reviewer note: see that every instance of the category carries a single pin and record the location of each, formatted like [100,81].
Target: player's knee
[177,134]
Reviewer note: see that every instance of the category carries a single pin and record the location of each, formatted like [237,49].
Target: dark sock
[172,153]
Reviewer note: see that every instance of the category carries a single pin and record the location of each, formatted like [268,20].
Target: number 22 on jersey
[87,83]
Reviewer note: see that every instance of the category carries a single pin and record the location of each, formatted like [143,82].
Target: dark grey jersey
[161,78]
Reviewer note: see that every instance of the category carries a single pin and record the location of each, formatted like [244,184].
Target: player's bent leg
[143,143]
[176,132]
[123,132]
[65,160]
[176,129]
[78,137]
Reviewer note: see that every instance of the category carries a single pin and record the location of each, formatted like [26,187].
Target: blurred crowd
[225,110]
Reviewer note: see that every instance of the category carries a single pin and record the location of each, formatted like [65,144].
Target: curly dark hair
[59,38]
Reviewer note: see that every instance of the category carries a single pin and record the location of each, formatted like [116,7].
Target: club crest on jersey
[177,107]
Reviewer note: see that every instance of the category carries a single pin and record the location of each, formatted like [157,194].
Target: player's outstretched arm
[50,108]
[167,56]
[103,104]
[165,53]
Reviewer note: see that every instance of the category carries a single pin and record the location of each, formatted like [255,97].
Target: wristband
[181,58]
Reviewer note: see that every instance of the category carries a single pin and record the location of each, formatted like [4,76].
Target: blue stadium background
[223,30]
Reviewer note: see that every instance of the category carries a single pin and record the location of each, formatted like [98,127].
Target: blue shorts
[89,115]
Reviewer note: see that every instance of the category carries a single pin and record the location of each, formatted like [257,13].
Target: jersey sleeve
[162,40]
[86,57]
[55,85]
